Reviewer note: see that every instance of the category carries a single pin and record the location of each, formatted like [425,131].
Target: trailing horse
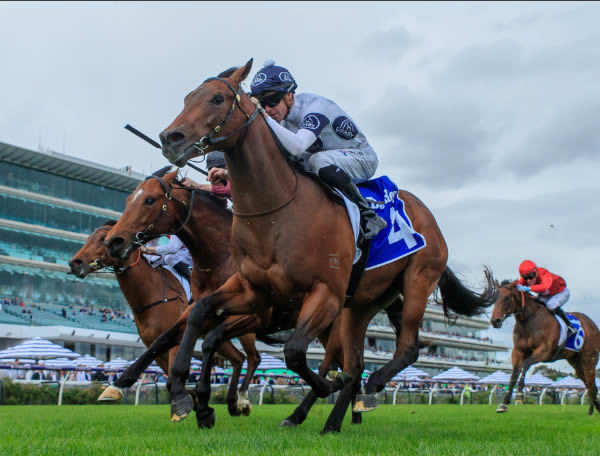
[536,338]
[159,323]
[286,228]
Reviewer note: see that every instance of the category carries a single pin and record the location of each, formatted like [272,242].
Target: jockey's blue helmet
[272,78]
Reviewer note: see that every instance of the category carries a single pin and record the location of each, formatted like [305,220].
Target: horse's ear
[243,72]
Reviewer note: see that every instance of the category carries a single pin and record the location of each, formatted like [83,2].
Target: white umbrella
[497,378]
[455,374]
[117,363]
[268,362]
[538,380]
[38,348]
[410,374]
[88,361]
[569,382]
[59,363]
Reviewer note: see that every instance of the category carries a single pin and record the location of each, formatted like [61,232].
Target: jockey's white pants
[555,301]
[359,164]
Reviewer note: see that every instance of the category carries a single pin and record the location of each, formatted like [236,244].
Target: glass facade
[37,246]
[53,287]
[35,181]
[50,215]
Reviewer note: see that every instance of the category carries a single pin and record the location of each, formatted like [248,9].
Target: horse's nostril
[172,138]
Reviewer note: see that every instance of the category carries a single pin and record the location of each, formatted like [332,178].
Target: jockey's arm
[171,247]
[545,283]
[295,143]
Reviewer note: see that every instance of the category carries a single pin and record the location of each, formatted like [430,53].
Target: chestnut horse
[285,230]
[165,325]
[536,336]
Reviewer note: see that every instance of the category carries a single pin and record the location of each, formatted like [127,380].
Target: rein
[164,299]
[270,211]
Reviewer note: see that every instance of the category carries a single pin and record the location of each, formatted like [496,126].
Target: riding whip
[150,141]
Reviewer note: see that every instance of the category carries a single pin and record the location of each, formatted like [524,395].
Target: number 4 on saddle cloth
[398,239]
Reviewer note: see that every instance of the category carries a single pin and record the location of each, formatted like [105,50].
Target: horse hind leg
[589,378]
[228,351]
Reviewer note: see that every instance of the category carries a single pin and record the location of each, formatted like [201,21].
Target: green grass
[114,430]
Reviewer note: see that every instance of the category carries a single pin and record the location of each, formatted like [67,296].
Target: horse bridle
[141,236]
[208,140]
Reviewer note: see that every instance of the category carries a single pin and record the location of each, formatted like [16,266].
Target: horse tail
[460,299]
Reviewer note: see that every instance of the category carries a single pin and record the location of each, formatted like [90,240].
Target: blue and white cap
[272,78]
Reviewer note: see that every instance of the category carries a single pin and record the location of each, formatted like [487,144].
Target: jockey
[551,288]
[217,175]
[174,254]
[321,134]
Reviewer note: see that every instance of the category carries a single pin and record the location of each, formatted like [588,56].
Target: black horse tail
[457,297]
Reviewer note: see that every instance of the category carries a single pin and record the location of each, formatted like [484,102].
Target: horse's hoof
[181,408]
[329,430]
[365,403]
[287,423]
[111,393]
[246,409]
[502,408]
[206,420]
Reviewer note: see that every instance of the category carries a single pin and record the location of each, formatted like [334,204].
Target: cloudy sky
[489,112]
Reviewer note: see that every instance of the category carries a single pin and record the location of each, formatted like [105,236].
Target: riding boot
[570,328]
[183,269]
[370,222]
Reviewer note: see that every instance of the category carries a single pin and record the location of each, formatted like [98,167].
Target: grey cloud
[437,137]
[390,44]
[571,135]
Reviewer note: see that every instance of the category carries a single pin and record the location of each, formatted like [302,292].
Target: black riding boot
[183,269]
[370,222]
[570,328]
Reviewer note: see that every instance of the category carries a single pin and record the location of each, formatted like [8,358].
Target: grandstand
[50,203]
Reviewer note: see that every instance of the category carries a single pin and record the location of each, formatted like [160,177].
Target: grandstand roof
[71,167]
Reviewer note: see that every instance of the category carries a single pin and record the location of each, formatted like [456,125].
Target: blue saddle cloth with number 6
[398,239]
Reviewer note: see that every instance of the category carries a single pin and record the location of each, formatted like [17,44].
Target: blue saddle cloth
[398,239]
[575,342]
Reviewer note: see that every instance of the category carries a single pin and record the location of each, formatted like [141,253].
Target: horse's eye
[149,201]
[218,99]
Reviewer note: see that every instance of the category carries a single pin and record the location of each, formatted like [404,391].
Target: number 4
[404,231]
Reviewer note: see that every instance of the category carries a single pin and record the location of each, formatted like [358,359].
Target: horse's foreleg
[517,362]
[541,353]
[181,402]
[232,327]
[301,412]
[319,309]
[228,351]
[248,341]
[163,343]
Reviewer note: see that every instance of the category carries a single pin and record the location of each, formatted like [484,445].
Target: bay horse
[535,337]
[160,323]
[286,227]
[124,237]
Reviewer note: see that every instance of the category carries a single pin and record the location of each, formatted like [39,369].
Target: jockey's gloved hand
[523,288]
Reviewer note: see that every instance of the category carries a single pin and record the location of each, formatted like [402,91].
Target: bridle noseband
[209,140]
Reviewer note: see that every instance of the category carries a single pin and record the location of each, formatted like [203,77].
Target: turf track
[112,430]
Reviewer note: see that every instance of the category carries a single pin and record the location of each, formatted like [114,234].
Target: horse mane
[506,282]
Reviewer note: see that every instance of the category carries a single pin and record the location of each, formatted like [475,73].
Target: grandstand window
[15,176]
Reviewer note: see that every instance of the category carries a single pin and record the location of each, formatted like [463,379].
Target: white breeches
[359,164]
[557,300]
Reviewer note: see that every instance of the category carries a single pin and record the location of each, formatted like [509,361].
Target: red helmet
[527,267]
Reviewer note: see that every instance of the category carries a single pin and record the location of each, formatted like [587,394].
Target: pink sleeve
[222,190]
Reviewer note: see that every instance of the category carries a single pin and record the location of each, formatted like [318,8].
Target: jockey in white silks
[323,137]
[173,254]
